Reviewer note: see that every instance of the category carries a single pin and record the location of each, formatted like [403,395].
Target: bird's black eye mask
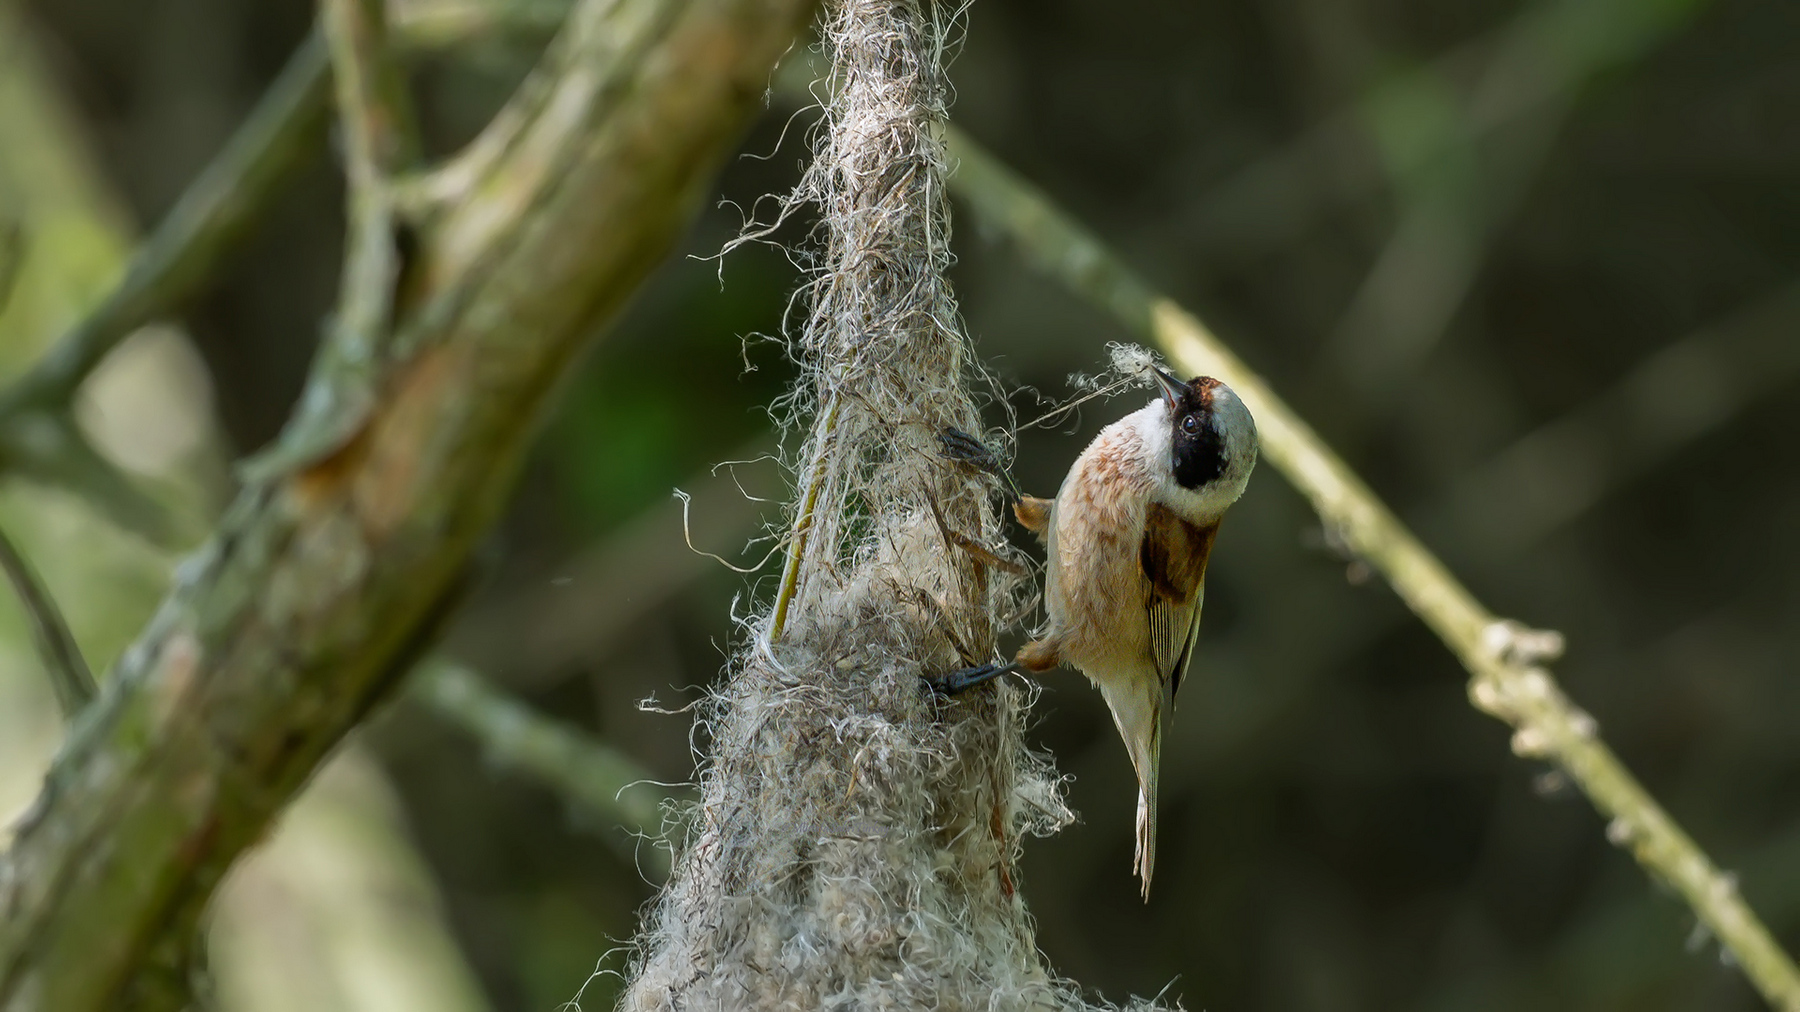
[1195,443]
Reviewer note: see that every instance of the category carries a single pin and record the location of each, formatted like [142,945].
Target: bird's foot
[957,682]
[959,445]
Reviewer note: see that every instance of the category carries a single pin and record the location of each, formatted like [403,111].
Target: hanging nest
[856,838]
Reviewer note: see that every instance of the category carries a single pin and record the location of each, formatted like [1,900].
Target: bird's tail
[1143,861]
[1139,715]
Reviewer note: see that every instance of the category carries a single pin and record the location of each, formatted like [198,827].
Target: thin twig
[379,140]
[602,780]
[180,254]
[803,524]
[39,438]
[437,24]
[1507,682]
[68,671]
[213,213]
[216,209]
[49,447]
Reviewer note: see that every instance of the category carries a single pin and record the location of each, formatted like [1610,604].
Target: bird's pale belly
[1094,595]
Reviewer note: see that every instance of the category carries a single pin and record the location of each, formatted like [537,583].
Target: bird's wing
[1173,557]
[1178,673]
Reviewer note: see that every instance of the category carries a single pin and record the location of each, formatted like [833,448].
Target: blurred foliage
[1436,229]
[675,394]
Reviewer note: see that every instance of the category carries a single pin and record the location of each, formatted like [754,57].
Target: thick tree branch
[320,587]
[1503,658]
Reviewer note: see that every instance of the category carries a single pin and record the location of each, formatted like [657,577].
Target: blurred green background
[1529,266]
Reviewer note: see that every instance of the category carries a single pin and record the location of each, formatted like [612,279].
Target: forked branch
[326,581]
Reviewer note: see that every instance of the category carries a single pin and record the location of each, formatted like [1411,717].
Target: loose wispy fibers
[856,838]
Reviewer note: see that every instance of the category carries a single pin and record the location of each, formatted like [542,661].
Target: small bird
[1128,537]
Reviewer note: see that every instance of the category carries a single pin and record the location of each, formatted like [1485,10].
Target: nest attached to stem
[856,837]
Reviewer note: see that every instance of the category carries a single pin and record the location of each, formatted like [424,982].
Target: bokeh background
[1531,267]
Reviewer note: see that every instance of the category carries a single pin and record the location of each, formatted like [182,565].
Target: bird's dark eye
[1190,425]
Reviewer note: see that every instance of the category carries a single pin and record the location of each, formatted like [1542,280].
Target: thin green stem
[803,524]
[12,251]
[69,676]
[444,23]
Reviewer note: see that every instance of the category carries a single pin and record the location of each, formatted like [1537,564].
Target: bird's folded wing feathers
[1174,558]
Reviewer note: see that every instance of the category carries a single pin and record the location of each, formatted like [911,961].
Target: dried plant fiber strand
[855,841]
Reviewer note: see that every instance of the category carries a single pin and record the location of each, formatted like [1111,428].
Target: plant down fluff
[856,837]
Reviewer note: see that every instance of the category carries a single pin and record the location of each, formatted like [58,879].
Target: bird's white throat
[1152,427]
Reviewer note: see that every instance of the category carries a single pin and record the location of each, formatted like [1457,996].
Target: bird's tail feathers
[1143,861]
[1139,716]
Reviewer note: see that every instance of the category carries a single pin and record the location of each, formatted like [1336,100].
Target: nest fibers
[855,839]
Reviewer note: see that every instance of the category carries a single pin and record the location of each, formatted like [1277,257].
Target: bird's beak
[1172,388]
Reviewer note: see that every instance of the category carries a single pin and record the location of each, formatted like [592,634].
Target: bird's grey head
[1212,438]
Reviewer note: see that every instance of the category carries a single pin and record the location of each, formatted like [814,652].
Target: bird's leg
[957,682]
[1036,656]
